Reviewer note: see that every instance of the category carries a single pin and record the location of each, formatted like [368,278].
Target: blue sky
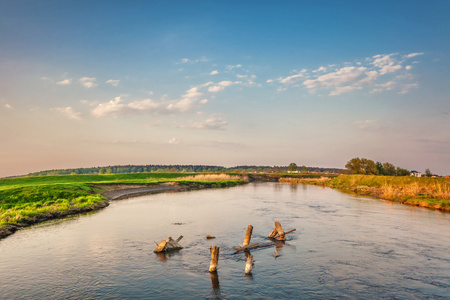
[94,83]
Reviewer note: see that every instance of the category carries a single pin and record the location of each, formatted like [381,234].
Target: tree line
[369,167]
[181,169]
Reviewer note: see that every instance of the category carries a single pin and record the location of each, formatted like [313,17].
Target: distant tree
[389,169]
[380,168]
[370,168]
[355,166]
[109,171]
[292,167]
[304,169]
[101,171]
[401,172]
[428,173]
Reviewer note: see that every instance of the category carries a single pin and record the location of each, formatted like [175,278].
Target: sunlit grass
[424,191]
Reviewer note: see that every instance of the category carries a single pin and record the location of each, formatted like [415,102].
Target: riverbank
[30,200]
[426,192]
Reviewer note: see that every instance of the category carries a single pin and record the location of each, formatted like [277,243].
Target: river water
[344,246]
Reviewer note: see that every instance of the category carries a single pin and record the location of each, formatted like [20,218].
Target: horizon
[223,83]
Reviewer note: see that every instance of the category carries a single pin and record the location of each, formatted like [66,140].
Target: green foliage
[368,167]
[292,167]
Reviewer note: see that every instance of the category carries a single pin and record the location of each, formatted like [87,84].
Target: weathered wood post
[214,259]
[248,235]
[249,263]
[280,231]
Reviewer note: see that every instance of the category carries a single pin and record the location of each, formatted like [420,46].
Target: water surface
[345,246]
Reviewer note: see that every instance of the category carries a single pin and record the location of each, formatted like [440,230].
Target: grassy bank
[426,192]
[28,200]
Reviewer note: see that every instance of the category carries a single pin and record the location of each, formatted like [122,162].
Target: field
[426,192]
[27,200]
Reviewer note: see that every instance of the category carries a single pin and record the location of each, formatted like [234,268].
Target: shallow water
[345,246]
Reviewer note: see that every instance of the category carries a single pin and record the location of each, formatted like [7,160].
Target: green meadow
[26,200]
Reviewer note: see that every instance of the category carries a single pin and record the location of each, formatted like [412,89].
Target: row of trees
[369,167]
[184,168]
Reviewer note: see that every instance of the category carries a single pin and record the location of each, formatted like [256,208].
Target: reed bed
[426,192]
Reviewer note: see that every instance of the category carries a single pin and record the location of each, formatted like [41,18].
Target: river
[345,246]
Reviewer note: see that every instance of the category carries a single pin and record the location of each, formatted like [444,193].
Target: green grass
[423,191]
[24,198]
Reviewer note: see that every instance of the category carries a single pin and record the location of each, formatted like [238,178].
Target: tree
[370,168]
[428,173]
[355,166]
[401,172]
[292,167]
[389,169]
[304,169]
[109,171]
[380,168]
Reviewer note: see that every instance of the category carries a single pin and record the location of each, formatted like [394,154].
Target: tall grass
[424,191]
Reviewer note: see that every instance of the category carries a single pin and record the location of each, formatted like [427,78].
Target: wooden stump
[248,264]
[248,236]
[214,259]
[280,231]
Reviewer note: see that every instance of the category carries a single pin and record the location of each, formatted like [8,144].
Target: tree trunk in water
[280,231]
[248,235]
[214,259]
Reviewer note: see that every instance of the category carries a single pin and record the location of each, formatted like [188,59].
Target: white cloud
[344,89]
[68,112]
[113,82]
[222,85]
[407,87]
[321,69]
[241,76]
[342,76]
[65,82]
[230,67]
[388,86]
[112,107]
[215,72]
[367,125]
[386,64]
[173,141]
[214,121]
[408,68]
[8,106]
[269,80]
[88,82]
[414,54]
[289,79]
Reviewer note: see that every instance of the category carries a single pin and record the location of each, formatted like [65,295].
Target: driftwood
[168,245]
[248,264]
[210,237]
[251,246]
[214,259]
[278,233]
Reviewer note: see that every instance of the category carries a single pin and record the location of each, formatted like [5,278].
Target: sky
[226,83]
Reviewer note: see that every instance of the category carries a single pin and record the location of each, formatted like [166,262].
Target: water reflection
[215,282]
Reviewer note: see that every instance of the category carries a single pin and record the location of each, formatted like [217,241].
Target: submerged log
[251,246]
[214,259]
[248,235]
[248,264]
[169,245]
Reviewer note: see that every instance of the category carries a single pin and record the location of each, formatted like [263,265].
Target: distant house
[416,173]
